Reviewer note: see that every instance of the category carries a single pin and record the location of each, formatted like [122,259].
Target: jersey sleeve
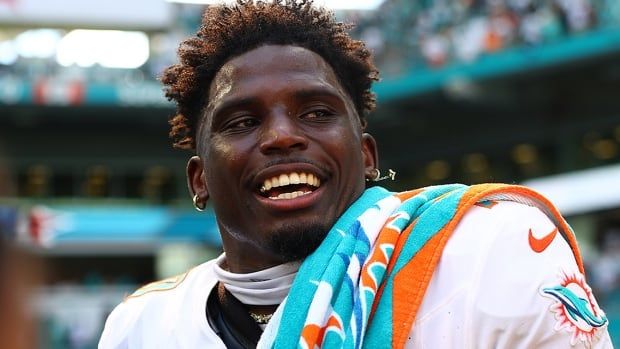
[117,327]
[529,291]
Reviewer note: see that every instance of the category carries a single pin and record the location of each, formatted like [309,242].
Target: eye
[241,124]
[317,115]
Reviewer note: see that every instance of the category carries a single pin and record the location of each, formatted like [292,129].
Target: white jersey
[498,284]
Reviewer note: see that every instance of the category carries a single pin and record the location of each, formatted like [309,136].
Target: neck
[243,257]
[262,291]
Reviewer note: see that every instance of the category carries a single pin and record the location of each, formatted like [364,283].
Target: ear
[370,154]
[196,179]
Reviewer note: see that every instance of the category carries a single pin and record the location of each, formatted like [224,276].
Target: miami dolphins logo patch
[575,308]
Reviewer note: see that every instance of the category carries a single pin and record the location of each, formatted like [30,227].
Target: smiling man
[273,98]
[283,154]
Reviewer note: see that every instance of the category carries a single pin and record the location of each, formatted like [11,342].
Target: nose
[281,134]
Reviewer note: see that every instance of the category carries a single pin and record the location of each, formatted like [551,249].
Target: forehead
[273,67]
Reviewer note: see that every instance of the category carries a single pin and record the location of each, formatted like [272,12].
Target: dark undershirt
[230,320]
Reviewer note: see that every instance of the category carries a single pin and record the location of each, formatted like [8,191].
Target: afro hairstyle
[228,31]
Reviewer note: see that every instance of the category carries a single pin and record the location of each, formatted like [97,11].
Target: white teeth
[286,196]
[291,178]
[284,180]
[294,178]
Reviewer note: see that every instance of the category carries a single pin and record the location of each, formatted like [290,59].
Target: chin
[296,241]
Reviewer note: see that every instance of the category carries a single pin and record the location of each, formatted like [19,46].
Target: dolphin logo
[576,307]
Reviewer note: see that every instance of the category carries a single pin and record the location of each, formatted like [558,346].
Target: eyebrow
[317,92]
[233,103]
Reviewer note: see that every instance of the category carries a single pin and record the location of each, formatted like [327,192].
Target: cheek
[222,150]
[227,152]
[346,146]
[225,161]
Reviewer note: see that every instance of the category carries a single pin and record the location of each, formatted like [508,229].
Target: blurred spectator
[542,24]
[17,278]
[435,48]
[501,29]
[606,269]
[578,14]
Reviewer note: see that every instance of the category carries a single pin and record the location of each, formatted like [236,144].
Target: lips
[289,185]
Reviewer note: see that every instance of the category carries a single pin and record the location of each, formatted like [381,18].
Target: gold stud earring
[198,206]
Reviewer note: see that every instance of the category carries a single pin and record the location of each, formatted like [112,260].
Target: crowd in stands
[407,35]
[404,35]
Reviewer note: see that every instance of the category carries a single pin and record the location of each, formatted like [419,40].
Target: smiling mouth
[288,186]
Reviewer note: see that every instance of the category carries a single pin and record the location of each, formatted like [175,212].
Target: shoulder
[155,307]
[518,246]
[497,245]
[510,275]
[518,237]
[528,280]
[509,231]
[165,285]
[509,221]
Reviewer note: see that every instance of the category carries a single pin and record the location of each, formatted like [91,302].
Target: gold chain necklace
[261,319]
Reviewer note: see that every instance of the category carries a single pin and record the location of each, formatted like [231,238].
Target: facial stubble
[293,242]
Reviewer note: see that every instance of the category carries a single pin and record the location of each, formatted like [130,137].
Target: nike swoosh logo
[539,245]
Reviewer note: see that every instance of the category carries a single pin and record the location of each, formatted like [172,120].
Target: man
[273,98]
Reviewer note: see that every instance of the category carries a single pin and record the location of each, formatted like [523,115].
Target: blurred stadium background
[518,91]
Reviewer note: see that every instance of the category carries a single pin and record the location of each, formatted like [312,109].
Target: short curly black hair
[231,30]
